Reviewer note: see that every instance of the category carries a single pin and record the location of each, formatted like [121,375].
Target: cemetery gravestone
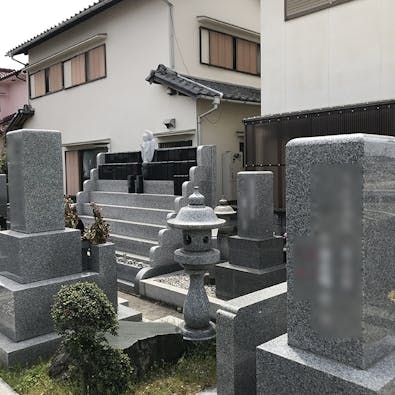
[340,266]
[38,255]
[255,255]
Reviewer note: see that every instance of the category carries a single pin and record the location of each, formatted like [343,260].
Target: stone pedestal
[340,267]
[255,255]
[242,324]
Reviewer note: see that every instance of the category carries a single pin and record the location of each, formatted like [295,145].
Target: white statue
[149,146]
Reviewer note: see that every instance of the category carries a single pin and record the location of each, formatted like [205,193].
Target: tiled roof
[83,15]
[198,87]
[4,73]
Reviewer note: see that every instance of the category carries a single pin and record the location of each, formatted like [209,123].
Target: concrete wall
[341,55]
[120,106]
[243,14]
[13,95]
[221,127]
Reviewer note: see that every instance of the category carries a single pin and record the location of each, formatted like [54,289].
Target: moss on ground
[192,373]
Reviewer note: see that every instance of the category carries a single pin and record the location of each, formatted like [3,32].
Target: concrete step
[135,214]
[126,286]
[128,228]
[112,185]
[161,187]
[126,313]
[165,202]
[133,245]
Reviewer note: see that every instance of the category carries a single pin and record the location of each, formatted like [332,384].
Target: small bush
[99,231]
[71,218]
[82,315]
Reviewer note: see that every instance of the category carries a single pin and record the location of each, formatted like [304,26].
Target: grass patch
[192,373]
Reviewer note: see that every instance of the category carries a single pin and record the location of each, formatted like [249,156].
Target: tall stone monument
[256,258]
[341,270]
[37,255]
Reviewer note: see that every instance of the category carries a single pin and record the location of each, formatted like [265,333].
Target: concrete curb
[174,296]
[5,389]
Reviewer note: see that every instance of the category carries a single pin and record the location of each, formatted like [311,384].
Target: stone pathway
[151,310]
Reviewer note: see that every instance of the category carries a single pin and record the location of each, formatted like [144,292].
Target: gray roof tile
[198,87]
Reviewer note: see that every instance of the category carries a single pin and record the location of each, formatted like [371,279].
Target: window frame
[234,45]
[87,81]
[313,9]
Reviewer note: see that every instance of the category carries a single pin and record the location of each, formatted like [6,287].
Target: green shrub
[82,315]
[99,231]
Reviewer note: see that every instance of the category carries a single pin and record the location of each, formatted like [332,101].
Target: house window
[229,52]
[38,84]
[86,67]
[297,8]
[96,63]
[55,78]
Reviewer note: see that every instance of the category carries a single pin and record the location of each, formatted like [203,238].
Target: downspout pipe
[18,61]
[171,34]
[216,103]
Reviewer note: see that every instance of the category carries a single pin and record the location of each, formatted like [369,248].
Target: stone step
[146,200]
[126,286]
[135,214]
[112,185]
[128,228]
[161,187]
[132,245]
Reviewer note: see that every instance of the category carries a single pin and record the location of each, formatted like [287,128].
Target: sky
[23,20]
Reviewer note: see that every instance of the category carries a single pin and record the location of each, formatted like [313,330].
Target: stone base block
[243,324]
[24,353]
[34,257]
[25,309]
[285,370]
[256,254]
[232,281]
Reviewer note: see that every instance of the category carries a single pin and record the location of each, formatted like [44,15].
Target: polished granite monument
[256,258]
[37,255]
[340,269]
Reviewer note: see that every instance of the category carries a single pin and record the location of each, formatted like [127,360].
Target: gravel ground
[181,280]
[132,262]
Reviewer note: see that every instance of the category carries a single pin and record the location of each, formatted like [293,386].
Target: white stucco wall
[338,56]
[220,128]
[244,14]
[120,106]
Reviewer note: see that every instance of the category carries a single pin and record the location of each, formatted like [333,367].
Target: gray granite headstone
[341,229]
[256,258]
[35,180]
[38,255]
[340,267]
[255,204]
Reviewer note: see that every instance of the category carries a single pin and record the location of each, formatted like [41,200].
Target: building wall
[338,56]
[120,106]
[243,14]
[13,95]
[220,128]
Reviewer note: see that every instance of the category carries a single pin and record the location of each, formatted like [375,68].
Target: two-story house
[187,70]
[328,67]
[13,98]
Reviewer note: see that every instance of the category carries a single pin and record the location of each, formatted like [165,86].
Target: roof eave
[62,27]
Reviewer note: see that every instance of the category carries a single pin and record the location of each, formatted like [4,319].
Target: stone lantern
[197,256]
[225,211]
